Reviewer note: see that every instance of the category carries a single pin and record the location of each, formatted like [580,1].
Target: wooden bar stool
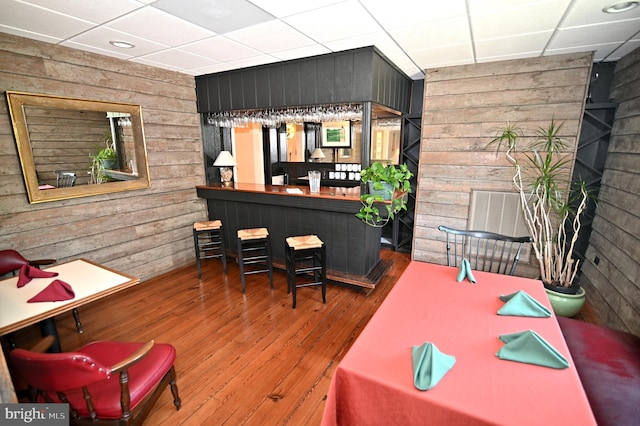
[254,250]
[208,241]
[306,255]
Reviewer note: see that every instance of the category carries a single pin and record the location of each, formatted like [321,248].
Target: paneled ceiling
[206,36]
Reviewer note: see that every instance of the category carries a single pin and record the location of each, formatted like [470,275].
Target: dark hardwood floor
[242,358]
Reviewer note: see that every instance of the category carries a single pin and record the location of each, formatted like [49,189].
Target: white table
[90,281]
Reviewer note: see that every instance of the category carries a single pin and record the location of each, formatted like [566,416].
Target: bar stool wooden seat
[208,241]
[306,256]
[254,252]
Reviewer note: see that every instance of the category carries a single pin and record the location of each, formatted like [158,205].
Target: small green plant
[103,160]
[380,178]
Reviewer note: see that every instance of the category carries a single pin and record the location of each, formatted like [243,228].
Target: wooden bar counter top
[330,192]
[353,248]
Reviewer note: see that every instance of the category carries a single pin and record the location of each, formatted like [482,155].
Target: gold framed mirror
[58,137]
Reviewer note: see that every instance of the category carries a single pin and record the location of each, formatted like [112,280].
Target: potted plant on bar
[540,174]
[388,184]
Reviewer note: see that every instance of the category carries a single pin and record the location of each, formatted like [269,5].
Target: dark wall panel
[343,78]
[357,75]
[249,87]
[276,86]
[292,84]
[236,91]
[224,92]
[363,72]
[202,94]
[263,90]
[326,70]
[308,80]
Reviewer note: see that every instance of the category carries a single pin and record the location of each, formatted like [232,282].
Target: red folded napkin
[28,272]
[56,291]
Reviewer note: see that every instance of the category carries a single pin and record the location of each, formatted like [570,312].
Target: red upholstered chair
[608,363]
[11,261]
[106,382]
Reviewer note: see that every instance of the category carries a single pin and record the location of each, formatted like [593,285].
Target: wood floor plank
[245,359]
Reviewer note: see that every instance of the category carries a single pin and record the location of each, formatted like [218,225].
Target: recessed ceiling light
[122,44]
[621,7]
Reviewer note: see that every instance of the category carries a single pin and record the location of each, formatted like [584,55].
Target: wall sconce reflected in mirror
[317,155]
[226,162]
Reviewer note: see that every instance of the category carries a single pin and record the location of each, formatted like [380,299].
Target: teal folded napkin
[465,272]
[521,304]
[429,365]
[529,348]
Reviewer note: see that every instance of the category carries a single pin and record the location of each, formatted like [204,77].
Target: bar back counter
[353,248]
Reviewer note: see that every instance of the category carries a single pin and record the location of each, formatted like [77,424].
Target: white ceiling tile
[443,56]
[519,55]
[219,67]
[420,11]
[380,39]
[41,21]
[590,12]
[540,16]
[433,34]
[270,37]
[609,32]
[282,8]
[334,22]
[29,34]
[87,10]
[302,52]
[445,62]
[178,59]
[253,61]
[529,43]
[491,6]
[602,51]
[624,50]
[100,37]
[220,49]
[220,16]
[156,64]
[159,26]
[114,54]
[384,43]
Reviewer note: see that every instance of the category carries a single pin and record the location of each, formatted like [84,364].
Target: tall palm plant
[540,177]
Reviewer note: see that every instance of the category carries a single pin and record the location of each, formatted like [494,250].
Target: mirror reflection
[279,147]
[73,148]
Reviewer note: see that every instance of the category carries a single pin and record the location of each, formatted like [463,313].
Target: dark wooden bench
[608,363]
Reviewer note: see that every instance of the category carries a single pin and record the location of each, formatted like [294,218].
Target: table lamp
[226,162]
[317,154]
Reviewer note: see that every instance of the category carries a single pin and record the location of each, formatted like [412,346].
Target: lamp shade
[225,159]
[317,153]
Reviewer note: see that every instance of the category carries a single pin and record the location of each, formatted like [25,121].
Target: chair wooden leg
[241,265]
[174,389]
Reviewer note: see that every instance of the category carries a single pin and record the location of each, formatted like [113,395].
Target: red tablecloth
[373,384]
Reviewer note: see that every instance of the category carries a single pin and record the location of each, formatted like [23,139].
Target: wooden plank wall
[463,107]
[145,232]
[613,284]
